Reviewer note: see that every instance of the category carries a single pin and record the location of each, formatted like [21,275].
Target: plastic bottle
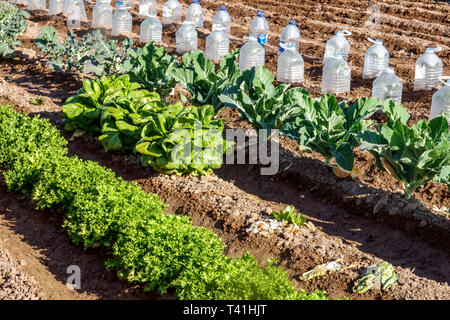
[122,21]
[252,54]
[147,7]
[260,28]
[195,13]
[336,75]
[79,3]
[388,86]
[129,3]
[428,70]
[55,7]
[36,5]
[102,14]
[337,43]
[376,60]
[172,12]
[290,65]
[73,12]
[217,44]
[186,37]
[290,34]
[151,29]
[441,100]
[223,18]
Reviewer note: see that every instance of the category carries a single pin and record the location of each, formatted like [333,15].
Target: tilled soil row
[14,284]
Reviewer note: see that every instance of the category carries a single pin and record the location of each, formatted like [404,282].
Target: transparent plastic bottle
[195,13]
[217,44]
[151,29]
[147,7]
[290,34]
[223,18]
[441,100]
[388,86]
[172,12]
[122,21]
[260,28]
[428,70]
[376,60]
[129,3]
[73,12]
[290,65]
[80,4]
[186,37]
[37,5]
[252,54]
[55,7]
[337,43]
[102,14]
[336,75]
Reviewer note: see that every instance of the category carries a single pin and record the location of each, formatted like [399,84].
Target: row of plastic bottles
[336,72]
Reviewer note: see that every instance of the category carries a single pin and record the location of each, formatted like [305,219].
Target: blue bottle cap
[260,13]
[223,8]
[293,22]
[196,1]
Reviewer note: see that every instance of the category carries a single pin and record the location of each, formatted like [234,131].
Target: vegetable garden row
[129,110]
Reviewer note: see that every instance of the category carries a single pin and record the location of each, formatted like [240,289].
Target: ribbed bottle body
[336,76]
[151,30]
[217,45]
[102,15]
[55,7]
[122,22]
[37,5]
[172,12]
[147,7]
[291,66]
[427,72]
[186,38]
[252,54]
[440,102]
[388,86]
[376,60]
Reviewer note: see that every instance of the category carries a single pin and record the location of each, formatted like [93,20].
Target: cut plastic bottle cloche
[441,99]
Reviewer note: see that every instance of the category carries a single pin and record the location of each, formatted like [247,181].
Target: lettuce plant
[83,110]
[183,140]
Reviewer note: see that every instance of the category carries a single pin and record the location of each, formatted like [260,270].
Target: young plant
[414,155]
[289,215]
[332,128]
[39,101]
[183,140]
[151,67]
[83,110]
[260,102]
[92,54]
[12,25]
[203,80]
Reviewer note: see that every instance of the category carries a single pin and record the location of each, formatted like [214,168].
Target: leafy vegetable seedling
[289,215]
[413,155]
[39,101]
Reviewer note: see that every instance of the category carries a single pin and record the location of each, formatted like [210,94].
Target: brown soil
[362,222]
